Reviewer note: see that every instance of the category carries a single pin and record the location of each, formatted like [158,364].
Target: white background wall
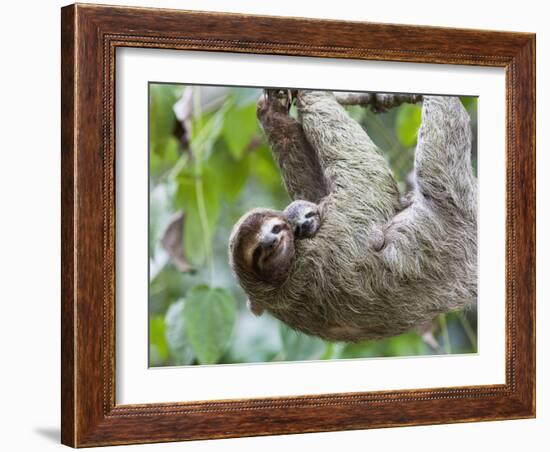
[30,270]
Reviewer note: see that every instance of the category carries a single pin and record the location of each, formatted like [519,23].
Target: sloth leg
[443,168]
[297,160]
[353,165]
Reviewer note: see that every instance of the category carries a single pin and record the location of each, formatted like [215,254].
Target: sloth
[304,217]
[269,237]
[375,267]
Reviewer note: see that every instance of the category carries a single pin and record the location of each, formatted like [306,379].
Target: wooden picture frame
[90,36]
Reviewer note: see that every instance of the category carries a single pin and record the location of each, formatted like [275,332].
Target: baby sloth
[267,241]
[304,217]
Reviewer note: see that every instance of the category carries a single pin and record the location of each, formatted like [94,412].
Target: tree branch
[378,103]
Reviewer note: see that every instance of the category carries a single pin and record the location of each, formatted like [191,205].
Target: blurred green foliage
[209,159]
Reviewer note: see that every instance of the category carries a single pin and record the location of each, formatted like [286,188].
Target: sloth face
[271,247]
[263,245]
[304,217]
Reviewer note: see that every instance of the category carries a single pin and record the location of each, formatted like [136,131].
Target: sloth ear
[254,308]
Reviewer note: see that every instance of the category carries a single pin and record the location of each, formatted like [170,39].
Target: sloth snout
[270,241]
[304,228]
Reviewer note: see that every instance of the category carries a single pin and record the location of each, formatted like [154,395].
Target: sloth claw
[255,308]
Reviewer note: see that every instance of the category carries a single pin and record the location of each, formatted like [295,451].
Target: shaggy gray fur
[374,269]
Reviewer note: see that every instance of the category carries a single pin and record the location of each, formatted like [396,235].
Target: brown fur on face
[262,246]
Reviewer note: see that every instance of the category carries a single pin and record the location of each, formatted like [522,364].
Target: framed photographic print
[281,225]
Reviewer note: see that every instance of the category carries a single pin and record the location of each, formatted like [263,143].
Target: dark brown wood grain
[67,226]
[90,36]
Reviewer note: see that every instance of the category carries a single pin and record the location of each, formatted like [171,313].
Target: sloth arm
[443,213]
[352,164]
[443,166]
[297,160]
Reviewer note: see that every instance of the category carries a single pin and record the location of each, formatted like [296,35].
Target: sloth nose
[269,241]
[304,227]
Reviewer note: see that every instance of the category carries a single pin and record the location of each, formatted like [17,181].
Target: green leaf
[161,116]
[231,174]
[205,132]
[256,339]
[161,164]
[407,123]
[158,347]
[407,344]
[245,96]
[362,349]
[298,346]
[181,350]
[469,102]
[168,285]
[197,238]
[265,169]
[239,128]
[209,316]
[357,112]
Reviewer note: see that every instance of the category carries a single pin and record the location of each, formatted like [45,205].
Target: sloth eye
[310,214]
[276,229]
